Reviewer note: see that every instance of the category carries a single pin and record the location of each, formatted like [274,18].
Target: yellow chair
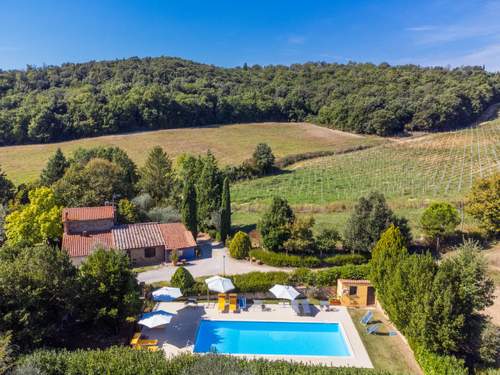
[233,302]
[221,304]
[152,348]
[135,339]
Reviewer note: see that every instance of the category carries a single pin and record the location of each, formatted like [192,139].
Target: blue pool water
[272,338]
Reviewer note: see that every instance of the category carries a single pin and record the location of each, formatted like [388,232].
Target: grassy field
[230,143]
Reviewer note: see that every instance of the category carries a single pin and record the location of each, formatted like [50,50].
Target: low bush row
[274,259]
[295,158]
[435,364]
[343,259]
[127,361]
[255,282]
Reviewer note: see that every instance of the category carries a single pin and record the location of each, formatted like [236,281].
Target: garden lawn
[389,353]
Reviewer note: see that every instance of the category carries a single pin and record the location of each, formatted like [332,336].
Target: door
[370,298]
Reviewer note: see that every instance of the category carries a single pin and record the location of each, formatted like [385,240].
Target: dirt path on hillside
[493,257]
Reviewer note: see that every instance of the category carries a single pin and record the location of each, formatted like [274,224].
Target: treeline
[56,103]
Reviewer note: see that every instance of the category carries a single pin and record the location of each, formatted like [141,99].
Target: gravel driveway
[211,263]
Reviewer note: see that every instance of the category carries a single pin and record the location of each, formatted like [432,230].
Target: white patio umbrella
[156,318]
[219,284]
[166,294]
[284,292]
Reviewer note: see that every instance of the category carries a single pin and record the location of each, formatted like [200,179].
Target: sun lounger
[372,329]
[257,303]
[147,342]
[325,305]
[191,300]
[221,304]
[233,302]
[152,348]
[242,301]
[366,318]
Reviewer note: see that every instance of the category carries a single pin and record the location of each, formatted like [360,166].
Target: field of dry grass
[230,143]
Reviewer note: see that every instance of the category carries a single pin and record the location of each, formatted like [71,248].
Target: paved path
[215,260]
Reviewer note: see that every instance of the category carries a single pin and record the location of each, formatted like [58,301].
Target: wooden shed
[355,293]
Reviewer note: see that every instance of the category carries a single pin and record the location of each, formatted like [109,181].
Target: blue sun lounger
[366,318]
[372,329]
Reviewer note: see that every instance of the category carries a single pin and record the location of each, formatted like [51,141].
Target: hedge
[329,276]
[435,364]
[274,259]
[343,259]
[127,361]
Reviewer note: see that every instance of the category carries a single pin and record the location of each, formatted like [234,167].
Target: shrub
[343,259]
[164,215]
[435,364]
[282,260]
[330,276]
[240,245]
[182,279]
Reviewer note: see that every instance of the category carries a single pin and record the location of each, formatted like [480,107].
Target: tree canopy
[52,103]
[484,203]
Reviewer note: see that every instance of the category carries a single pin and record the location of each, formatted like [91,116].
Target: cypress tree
[55,168]
[189,208]
[225,217]
[209,190]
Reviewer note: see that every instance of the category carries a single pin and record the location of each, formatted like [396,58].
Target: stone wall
[138,258]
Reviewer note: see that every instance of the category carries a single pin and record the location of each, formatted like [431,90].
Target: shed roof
[88,213]
[177,236]
[78,245]
[354,282]
[135,236]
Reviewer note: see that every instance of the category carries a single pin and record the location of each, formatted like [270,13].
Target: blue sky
[230,33]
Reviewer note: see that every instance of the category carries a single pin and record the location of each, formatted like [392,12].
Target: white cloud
[420,28]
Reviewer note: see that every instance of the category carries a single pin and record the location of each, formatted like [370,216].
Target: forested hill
[79,100]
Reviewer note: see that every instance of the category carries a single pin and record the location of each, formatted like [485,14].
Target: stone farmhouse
[88,228]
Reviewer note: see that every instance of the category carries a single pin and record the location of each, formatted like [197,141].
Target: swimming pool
[271,338]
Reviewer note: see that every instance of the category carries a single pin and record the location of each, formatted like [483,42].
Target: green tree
[37,288]
[263,159]
[370,218]
[189,208]
[225,215]
[55,168]
[326,241]
[438,220]
[157,177]
[37,222]
[240,245]
[483,203]
[209,189]
[93,184]
[109,289]
[301,239]
[182,279]
[127,212]
[460,291]
[6,353]
[275,224]
[6,189]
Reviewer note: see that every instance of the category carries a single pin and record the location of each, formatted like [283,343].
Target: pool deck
[179,336]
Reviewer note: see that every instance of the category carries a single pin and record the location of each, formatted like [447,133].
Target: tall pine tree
[157,177]
[225,216]
[55,168]
[189,208]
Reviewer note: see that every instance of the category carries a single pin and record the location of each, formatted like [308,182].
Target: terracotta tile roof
[134,236]
[88,213]
[354,282]
[78,245]
[177,236]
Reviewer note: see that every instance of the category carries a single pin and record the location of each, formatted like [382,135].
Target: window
[149,252]
[353,290]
